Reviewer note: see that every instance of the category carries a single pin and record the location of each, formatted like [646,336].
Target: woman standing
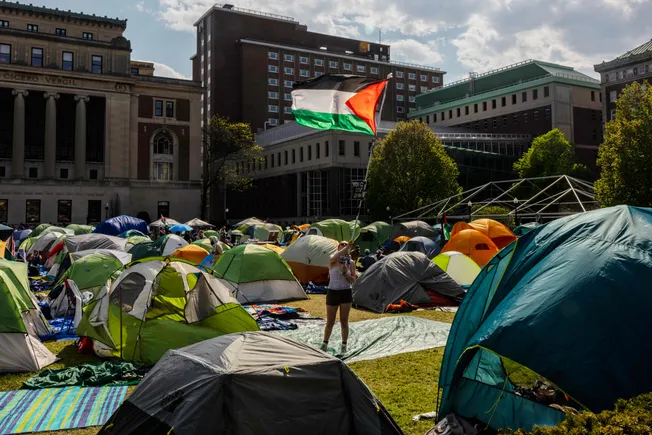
[339,295]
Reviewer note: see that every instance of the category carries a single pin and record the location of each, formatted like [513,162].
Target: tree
[228,147]
[409,169]
[625,157]
[549,154]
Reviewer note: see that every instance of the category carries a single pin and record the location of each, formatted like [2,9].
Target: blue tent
[119,224]
[568,300]
[424,245]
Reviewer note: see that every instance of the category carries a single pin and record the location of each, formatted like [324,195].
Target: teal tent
[569,301]
[525,228]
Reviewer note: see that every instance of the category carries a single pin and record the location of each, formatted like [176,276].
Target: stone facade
[74,129]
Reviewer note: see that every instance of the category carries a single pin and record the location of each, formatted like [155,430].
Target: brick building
[86,132]
[616,74]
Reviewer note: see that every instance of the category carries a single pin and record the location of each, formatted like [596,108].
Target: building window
[88,36]
[300,154]
[319,62]
[399,74]
[163,156]
[524,97]
[342,148]
[547,113]
[493,104]
[515,119]
[318,73]
[592,95]
[412,88]
[400,86]
[484,106]
[272,160]
[592,115]
[289,71]
[546,92]
[294,156]
[525,117]
[64,211]
[37,57]
[535,94]
[94,211]
[503,101]
[169,109]
[272,55]
[32,28]
[3,173]
[412,76]
[272,121]
[304,73]
[96,65]
[5,53]
[613,114]
[326,149]
[486,124]
[475,108]
[435,79]
[287,110]
[4,24]
[504,120]
[278,159]
[136,71]
[333,64]
[4,210]
[361,68]
[370,148]
[60,32]
[304,59]
[450,114]
[317,151]
[33,173]
[459,113]
[309,152]
[347,66]
[412,99]
[92,174]
[424,78]
[287,97]
[443,116]
[272,82]
[158,107]
[427,119]
[285,157]
[424,89]
[535,115]
[272,68]
[400,97]
[513,98]
[495,122]
[33,211]
[288,58]
[613,96]
[272,95]
[400,109]
[374,70]
[272,108]
[356,149]
[163,208]
[434,118]
[288,83]
[63,173]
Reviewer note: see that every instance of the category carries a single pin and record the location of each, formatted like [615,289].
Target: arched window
[163,156]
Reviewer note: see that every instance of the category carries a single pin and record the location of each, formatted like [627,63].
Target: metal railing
[493,71]
[414,65]
[253,12]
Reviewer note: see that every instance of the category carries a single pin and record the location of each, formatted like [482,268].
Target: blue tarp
[119,224]
[568,300]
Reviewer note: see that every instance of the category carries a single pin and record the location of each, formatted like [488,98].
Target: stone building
[85,132]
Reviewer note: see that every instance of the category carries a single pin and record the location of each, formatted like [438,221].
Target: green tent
[132,233]
[522,230]
[263,232]
[160,304]
[257,275]
[80,229]
[373,236]
[21,322]
[91,272]
[137,240]
[38,230]
[206,245]
[335,229]
[163,246]
[211,233]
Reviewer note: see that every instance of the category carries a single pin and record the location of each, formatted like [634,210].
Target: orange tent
[402,239]
[497,232]
[278,249]
[460,226]
[193,253]
[473,244]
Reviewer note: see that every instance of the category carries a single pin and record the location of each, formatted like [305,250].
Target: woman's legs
[345,309]
[331,315]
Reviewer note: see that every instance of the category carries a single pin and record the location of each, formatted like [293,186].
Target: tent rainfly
[309,258]
[94,241]
[198,223]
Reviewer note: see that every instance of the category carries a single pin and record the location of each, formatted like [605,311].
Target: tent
[249,221]
[160,224]
[521,230]
[43,242]
[193,253]
[335,229]
[21,322]
[132,233]
[458,266]
[56,230]
[251,383]
[408,276]
[422,244]
[94,241]
[263,232]
[80,229]
[123,257]
[569,301]
[497,232]
[208,247]
[21,235]
[473,244]
[5,232]
[160,304]
[373,236]
[198,223]
[119,224]
[257,275]
[210,233]
[413,229]
[278,249]
[309,258]
[163,246]
[136,240]
[39,229]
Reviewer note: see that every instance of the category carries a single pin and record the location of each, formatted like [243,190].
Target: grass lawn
[406,383]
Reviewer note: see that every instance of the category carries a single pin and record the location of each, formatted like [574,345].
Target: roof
[63,14]
[504,80]
[634,55]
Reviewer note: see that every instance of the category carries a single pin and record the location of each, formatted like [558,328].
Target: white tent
[198,223]
[95,241]
[159,223]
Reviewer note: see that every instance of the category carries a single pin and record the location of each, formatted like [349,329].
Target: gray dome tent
[250,383]
[403,275]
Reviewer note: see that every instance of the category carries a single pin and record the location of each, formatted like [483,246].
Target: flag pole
[371,150]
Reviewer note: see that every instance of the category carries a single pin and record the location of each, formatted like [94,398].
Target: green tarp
[378,338]
[88,375]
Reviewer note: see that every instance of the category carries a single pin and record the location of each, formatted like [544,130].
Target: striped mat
[57,408]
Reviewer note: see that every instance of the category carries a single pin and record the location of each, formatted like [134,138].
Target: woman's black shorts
[337,297]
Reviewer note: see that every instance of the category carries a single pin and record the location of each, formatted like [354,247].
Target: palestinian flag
[338,102]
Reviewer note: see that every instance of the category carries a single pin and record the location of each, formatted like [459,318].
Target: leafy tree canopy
[550,154]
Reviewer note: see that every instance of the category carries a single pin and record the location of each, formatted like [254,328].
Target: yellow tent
[192,253]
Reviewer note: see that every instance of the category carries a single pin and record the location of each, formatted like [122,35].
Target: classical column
[50,153]
[80,136]
[18,150]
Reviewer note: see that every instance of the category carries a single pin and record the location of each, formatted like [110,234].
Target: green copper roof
[31,9]
[642,52]
[647,47]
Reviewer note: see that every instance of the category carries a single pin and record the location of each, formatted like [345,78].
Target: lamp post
[226,222]
[106,211]
[515,211]
[389,216]
[470,204]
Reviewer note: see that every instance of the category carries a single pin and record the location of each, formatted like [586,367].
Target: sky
[457,36]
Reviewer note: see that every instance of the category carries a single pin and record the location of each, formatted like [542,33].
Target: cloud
[413,51]
[163,70]
[140,6]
